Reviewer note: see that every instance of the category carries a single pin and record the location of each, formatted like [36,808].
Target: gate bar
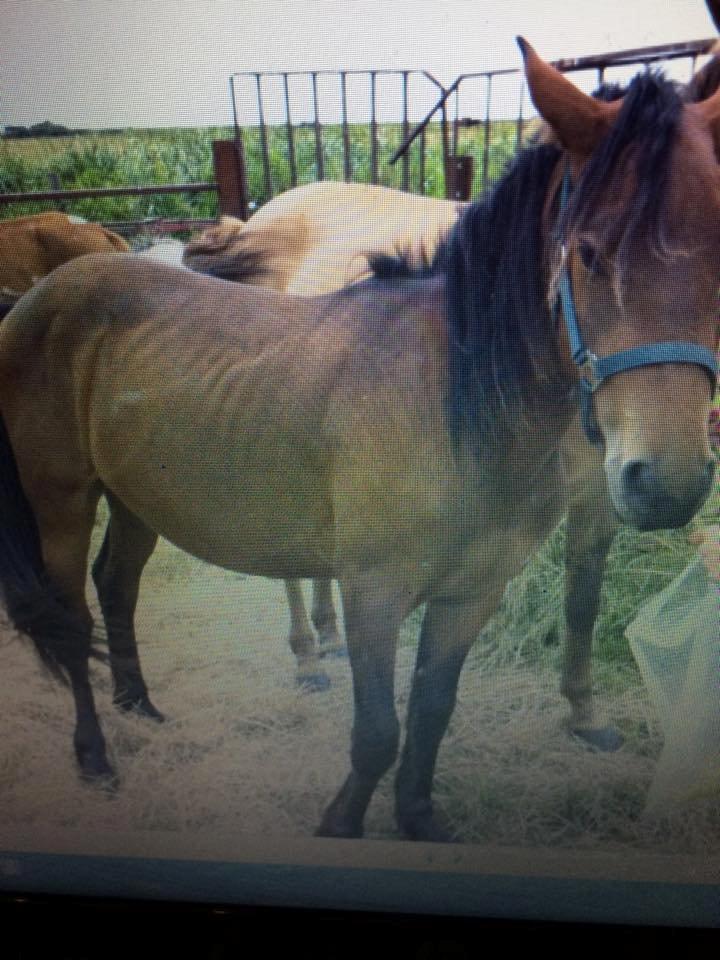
[263,140]
[290,134]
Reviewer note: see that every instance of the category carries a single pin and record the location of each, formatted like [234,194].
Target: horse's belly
[247,500]
[274,531]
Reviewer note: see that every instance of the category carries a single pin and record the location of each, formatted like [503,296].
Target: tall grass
[181,155]
[132,157]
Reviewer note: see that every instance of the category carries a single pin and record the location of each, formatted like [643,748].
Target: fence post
[459,177]
[54,181]
[231,178]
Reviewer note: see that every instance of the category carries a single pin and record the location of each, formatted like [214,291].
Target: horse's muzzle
[647,498]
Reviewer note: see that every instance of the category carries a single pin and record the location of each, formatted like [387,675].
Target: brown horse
[401,435]
[319,237]
[316,239]
[30,247]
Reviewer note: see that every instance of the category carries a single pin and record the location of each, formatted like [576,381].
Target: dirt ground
[244,754]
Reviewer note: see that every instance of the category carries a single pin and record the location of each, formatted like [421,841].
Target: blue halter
[594,371]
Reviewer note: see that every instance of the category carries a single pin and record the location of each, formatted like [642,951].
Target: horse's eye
[590,258]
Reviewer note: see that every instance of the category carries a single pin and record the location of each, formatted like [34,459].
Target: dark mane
[500,331]
[502,350]
[385,266]
[607,92]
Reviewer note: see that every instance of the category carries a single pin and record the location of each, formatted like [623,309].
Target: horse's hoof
[336,829]
[330,643]
[604,739]
[424,828]
[97,772]
[140,705]
[314,682]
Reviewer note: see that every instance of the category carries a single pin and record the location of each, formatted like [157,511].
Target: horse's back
[319,237]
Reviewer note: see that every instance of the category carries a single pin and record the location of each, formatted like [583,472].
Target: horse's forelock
[643,134]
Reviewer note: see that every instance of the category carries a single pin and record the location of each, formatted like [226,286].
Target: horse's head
[633,237]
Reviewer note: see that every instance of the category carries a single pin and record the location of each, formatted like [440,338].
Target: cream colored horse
[317,238]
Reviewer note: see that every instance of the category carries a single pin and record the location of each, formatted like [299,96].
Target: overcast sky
[116,63]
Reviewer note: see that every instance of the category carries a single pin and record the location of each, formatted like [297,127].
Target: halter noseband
[594,371]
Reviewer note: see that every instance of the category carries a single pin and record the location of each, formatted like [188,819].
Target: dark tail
[33,605]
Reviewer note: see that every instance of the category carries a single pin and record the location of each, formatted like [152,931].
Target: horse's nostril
[638,481]
[661,500]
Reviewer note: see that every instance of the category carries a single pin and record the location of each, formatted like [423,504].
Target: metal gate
[465,129]
[327,143]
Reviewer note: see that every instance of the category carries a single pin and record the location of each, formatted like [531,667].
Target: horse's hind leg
[126,549]
[591,527]
[65,526]
[302,641]
[324,619]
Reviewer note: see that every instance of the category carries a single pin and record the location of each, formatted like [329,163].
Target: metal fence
[463,127]
[339,147]
[466,125]
[463,179]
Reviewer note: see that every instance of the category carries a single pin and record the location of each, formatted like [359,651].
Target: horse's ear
[706,80]
[709,109]
[713,7]
[578,120]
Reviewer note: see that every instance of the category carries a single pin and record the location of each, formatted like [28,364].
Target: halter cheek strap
[594,371]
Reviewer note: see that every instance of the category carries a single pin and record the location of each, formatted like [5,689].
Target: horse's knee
[375,746]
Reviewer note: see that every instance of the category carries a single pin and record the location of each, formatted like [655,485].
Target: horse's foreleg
[302,641]
[448,631]
[371,626]
[591,527]
[324,618]
[126,549]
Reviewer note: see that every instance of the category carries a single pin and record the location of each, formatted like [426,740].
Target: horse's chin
[671,515]
[646,524]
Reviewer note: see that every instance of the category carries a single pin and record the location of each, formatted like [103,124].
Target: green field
[184,155]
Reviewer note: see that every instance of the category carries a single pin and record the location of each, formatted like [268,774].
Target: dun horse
[401,435]
[318,237]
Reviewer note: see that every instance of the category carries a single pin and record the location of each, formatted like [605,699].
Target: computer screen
[359,537]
